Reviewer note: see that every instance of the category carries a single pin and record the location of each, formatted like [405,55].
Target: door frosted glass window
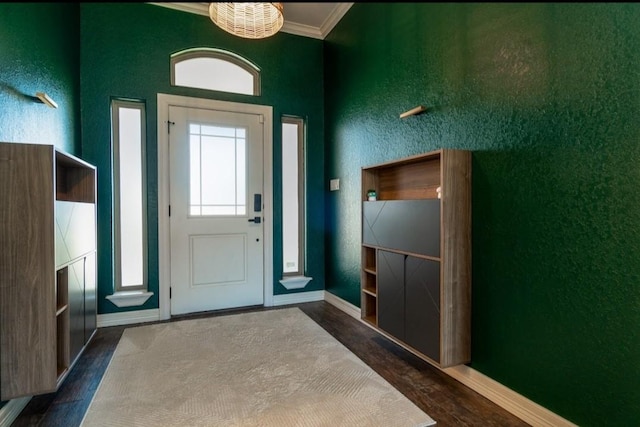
[217,181]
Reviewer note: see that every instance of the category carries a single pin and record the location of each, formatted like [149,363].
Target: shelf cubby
[369,285]
[62,320]
[369,258]
[369,313]
[75,179]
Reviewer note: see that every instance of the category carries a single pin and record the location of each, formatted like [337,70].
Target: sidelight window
[293,196]
[129,198]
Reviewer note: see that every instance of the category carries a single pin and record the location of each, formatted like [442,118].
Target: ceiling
[314,20]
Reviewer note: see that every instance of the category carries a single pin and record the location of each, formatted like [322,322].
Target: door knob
[256,219]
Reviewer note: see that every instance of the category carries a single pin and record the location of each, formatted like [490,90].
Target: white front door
[215,191]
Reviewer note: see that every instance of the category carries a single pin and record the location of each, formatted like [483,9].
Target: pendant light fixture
[248,20]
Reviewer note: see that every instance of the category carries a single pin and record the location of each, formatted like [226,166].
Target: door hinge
[169,210]
[261,118]
[169,292]
[169,124]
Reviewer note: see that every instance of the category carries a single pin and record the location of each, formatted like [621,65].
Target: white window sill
[129,298]
[295,282]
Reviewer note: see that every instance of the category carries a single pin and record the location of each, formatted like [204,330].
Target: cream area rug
[270,368]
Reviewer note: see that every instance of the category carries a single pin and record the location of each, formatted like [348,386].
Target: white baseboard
[10,411]
[298,298]
[141,316]
[523,408]
[343,305]
[128,317]
[518,405]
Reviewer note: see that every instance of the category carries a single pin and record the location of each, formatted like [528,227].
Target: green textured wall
[547,96]
[125,52]
[39,53]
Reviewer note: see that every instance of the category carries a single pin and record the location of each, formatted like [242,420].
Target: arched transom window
[214,69]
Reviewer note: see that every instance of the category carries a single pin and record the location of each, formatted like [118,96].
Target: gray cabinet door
[391,296]
[406,225]
[422,312]
[75,224]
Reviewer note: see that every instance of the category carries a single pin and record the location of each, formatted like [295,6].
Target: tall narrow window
[293,196]
[129,213]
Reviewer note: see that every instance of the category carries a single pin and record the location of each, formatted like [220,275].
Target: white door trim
[164,234]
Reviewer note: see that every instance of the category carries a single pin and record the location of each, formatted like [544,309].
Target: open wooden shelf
[75,179]
[369,291]
[370,319]
[369,285]
[62,286]
[62,321]
[369,257]
[413,178]
[369,308]
[62,341]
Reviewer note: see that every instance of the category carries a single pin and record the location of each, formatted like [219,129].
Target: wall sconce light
[414,111]
[46,99]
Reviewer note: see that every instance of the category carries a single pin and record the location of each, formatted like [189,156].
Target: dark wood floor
[444,399]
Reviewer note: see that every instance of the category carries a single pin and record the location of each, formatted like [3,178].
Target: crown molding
[197,8]
[333,19]
[301,30]
[288,27]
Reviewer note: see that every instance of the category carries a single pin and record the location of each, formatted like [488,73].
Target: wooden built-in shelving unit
[416,253]
[47,297]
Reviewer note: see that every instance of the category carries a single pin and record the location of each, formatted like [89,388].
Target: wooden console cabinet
[416,254]
[47,266]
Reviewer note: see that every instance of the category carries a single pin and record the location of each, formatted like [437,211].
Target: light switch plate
[334,184]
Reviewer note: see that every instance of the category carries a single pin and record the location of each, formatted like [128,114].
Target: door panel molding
[206,273]
[164,237]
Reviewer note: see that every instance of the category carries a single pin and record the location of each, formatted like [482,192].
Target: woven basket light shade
[248,20]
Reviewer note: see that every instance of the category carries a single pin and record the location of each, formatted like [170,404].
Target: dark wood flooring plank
[446,400]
